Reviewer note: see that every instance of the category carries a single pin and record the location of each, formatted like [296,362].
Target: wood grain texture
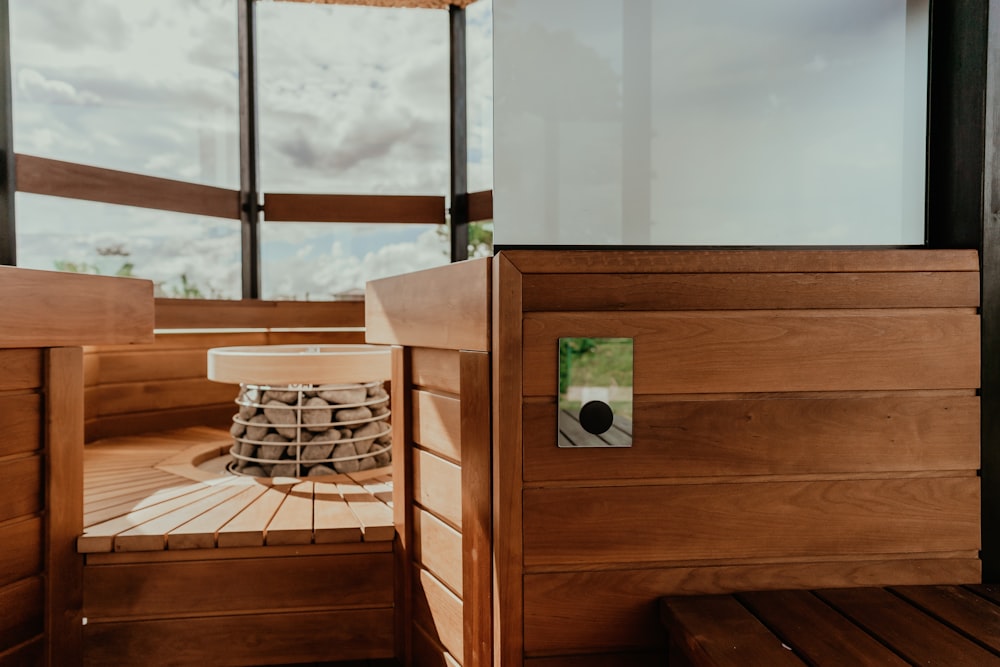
[170,589]
[22,555]
[437,611]
[767,436]
[437,424]
[446,307]
[437,548]
[437,487]
[775,519]
[132,423]
[594,611]
[22,369]
[44,176]
[292,523]
[401,394]
[477,520]
[288,637]
[252,313]
[719,631]
[418,209]
[741,261]
[64,503]
[508,543]
[22,616]
[428,652]
[629,659]
[480,205]
[22,417]
[50,309]
[749,291]
[31,652]
[970,614]
[144,364]
[815,631]
[436,370]
[333,520]
[772,351]
[131,397]
[904,628]
[23,481]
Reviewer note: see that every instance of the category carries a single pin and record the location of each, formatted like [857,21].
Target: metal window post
[8,186]
[459,189]
[249,195]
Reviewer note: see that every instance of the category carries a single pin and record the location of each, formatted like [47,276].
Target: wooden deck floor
[142,493]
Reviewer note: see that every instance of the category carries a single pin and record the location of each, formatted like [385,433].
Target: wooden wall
[439,322]
[41,469]
[802,419]
[239,606]
[140,388]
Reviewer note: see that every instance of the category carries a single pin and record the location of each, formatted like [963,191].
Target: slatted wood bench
[177,557]
[925,625]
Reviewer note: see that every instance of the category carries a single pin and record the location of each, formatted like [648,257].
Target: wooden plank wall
[802,419]
[441,411]
[239,606]
[22,596]
[140,388]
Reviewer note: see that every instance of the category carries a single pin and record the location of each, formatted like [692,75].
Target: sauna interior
[786,214]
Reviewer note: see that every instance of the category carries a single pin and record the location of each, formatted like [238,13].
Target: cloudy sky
[353,100]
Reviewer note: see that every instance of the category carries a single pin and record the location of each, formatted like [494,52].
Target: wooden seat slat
[333,520]
[970,614]
[375,516]
[202,531]
[795,615]
[718,630]
[988,591]
[246,529]
[293,522]
[148,485]
[152,535]
[117,506]
[910,632]
[100,537]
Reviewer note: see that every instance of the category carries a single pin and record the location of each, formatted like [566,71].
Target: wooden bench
[939,625]
[177,556]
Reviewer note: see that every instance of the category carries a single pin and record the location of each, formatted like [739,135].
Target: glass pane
[354,100]
[136,85]
[668,122]
[325,261]
[184,255]
[479,93]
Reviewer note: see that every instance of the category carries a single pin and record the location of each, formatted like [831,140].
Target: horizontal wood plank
[156,395]
[742,261]
[186,340]
[719,631]
[437,370]
[437,487]
[52,309]
[815,631]
[21,480]
[598,610]
[162,590]
[771,351]
[252,313]
[22,369]
[749,291]
[446,307]
[437,424]
[418,209]
[480,206]
[131,423]
[21,556]
[619,659]
[287,637]
[912,634]
[970,614]
[428,652]
[437,547]
[437,610]
[21,612]
[22,418]
[772,519]
[45,176]
[31,652]
[144,365]
[771,436]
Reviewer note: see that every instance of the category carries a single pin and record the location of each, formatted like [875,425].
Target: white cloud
[37,88]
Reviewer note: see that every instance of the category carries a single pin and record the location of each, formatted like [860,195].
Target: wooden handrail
[253,314]
[418,209]
[480,206]
[44,176]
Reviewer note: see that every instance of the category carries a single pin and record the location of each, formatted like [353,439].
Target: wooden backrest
[140,388]
[802,419]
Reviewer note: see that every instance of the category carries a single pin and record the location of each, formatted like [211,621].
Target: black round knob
[596,417]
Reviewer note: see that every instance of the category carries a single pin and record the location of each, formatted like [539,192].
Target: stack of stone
[307,431]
